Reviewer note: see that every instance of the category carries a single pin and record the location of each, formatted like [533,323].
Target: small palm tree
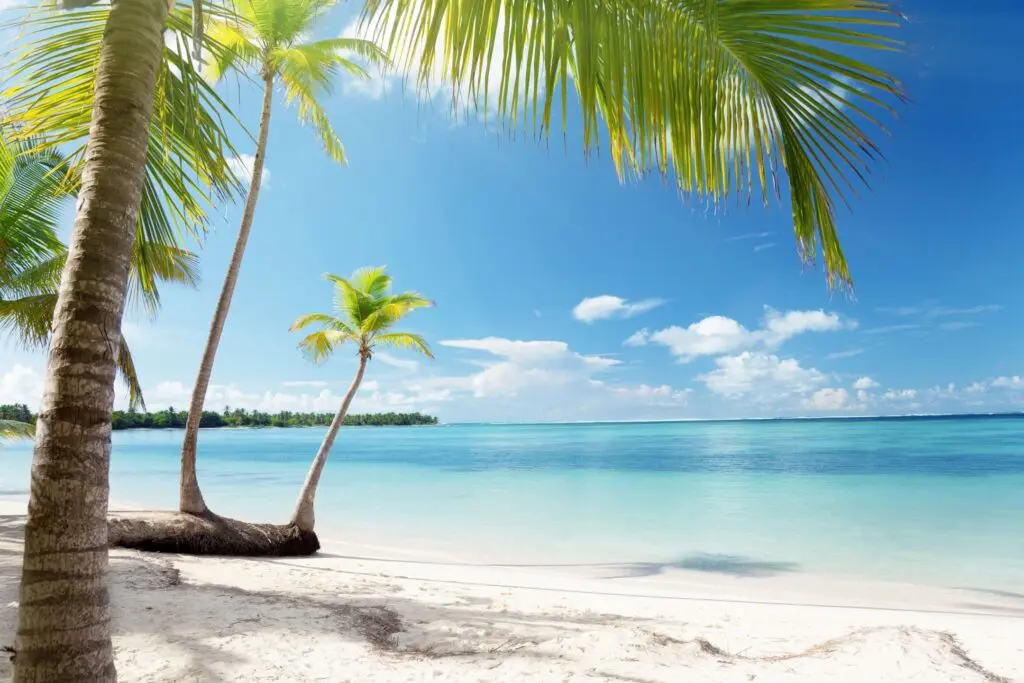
[367,312]
[271,39]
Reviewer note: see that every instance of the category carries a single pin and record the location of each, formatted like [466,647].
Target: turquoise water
[938,502]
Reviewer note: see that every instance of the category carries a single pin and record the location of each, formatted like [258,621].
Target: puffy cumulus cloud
[523,364]
[900,395]
[865,383]
[242,166]
[781,327]
[22,384]
[594,308]
[1015,382]
[717,335]
[761,377]
[711,336]
[548,380]
[827,399]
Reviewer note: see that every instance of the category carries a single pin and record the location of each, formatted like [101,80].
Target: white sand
[180,619]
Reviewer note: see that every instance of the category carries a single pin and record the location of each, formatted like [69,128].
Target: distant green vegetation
[173,419]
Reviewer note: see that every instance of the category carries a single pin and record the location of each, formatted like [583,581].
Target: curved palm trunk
[191,498]
[64,612]
[303,516]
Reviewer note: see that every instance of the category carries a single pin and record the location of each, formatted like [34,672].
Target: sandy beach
[358,613]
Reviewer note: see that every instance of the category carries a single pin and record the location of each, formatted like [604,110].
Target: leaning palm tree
[95,75]
[365,314]
[269,38]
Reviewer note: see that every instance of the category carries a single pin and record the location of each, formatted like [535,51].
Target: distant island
[238,417]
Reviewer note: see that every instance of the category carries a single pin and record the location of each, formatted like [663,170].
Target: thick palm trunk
[64,612]
[303,516]
[191,498]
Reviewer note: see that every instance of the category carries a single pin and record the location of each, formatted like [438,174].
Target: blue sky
[516,241]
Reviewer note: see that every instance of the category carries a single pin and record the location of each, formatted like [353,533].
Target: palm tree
[721,94]
[271,39]
[95,75]
[33,187]
[366,313]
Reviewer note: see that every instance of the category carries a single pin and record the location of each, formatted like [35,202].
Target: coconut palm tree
[365,314]
[269,38]
[95,75]
[723,95]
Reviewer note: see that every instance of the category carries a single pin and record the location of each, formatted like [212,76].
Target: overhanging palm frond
[723,95]
[130,377]
[50,105]
[9,429]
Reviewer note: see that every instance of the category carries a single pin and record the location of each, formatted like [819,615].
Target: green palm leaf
[9,429]
[723,95]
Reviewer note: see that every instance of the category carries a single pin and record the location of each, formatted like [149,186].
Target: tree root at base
[208,534]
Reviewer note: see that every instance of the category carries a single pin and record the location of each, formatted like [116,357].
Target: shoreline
[359,612]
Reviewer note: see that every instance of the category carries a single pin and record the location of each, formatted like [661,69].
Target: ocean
[929,501]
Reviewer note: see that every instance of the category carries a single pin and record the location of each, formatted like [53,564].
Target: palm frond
[50,104]
[722,95]
[403,340]
[318,346]
[28,319]
[10,429]
[130,377]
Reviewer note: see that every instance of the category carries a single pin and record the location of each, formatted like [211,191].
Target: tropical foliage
[722,95]
[34,184]
[365,314]
[270,39]
[49,107]
[16,421]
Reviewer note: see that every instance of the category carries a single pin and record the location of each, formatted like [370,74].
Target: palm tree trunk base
[208,534]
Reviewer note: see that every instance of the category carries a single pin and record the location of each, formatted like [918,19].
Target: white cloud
[761,376]
[711,336]
[977,388]
[766,245]
[242,166]
[850,353]
[827,399]
[594,308]
[900,395]
[21,384]
[408,365]
[314,383]
[865,383]
[749,236]
[716,335]
[1015,382]
[638,338]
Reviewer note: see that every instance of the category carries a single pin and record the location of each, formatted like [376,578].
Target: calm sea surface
[938,501]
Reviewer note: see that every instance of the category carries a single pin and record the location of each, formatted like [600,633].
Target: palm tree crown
[367,312]
[270,37]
